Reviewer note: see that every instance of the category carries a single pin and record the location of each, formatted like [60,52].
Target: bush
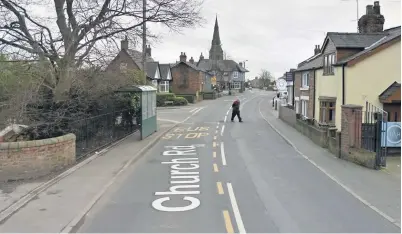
[180,101]
[162,97]
[190,98]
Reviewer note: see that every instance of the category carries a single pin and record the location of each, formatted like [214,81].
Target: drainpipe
[343,84]
[293,89]
[315,72]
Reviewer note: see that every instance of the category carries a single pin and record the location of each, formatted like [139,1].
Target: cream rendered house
[357,67]
[369,73]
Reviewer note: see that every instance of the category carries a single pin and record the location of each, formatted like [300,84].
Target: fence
[373,131]
[98,131]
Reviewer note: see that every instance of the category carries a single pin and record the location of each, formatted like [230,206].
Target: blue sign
[391,134]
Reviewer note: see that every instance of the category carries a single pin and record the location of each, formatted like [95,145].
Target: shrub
[162,97]
[190,98]
[180,101]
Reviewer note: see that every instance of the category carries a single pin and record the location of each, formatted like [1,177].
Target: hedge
[161,98]
[180,101]
[190,98]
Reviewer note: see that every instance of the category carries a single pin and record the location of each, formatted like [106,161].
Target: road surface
[212,175]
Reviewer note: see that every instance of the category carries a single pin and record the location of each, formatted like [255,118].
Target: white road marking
[169,120]
[223,129]
[194,109]
[223,154]
[228,111]
[225,118]
[236,210]
[362,200]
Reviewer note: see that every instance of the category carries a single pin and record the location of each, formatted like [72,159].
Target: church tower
[216,51]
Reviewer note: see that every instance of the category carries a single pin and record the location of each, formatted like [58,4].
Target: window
[327,111]
[164,86]
[235,85]
[305,80]
[235,74]
[329,61]
[304,107]
[123,67]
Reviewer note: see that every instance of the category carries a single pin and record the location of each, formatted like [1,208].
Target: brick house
[304,84]
[129,59]
[187,78]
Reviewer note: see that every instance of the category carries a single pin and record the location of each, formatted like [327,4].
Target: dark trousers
[234,113]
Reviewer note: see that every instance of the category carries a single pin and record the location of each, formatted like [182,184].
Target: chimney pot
[317,49]
[148,51]
[369,9]
[124,44]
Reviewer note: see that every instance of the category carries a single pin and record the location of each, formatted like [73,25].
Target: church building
[229,74]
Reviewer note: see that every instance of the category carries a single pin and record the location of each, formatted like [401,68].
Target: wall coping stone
[37,143]
[352,106]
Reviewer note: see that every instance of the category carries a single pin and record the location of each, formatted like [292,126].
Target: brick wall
[297,83]
[343,53]
[309,92]
[186,80]
[122,57]
[351,130]
[33,159]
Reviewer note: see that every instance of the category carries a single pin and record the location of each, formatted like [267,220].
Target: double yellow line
[219,186]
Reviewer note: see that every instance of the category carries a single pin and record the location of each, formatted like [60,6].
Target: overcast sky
[272,35]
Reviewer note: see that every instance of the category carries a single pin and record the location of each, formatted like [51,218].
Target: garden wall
[33,159]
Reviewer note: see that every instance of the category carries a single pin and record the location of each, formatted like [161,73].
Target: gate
[373,132]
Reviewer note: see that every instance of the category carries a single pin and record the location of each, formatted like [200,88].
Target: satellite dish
[281,84]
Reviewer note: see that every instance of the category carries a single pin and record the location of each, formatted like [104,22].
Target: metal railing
[98,131]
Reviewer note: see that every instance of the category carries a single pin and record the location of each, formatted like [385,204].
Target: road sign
[213,80]
[281,84]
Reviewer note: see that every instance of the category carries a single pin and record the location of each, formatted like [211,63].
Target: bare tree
[266,78]
[76,30]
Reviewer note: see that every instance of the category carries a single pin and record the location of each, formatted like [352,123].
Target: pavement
[208,174]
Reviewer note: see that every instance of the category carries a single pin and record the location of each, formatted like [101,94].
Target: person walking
[236,110]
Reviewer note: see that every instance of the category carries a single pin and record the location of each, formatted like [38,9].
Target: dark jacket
[236,106]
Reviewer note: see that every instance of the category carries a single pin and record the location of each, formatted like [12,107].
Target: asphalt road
[212,175]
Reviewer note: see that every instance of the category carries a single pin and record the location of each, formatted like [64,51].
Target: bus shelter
[145,97]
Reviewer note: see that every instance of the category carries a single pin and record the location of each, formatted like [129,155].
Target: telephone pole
[144,36]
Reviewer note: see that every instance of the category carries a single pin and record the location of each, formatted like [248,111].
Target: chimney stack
[148,51]
[191,60]
[201,57]
[183,57]
[317,50]
[372,21]
[241,64]
[124,44]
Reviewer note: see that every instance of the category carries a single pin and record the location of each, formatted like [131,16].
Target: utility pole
[144,36]
[357,14]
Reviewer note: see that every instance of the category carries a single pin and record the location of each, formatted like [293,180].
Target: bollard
[276,105]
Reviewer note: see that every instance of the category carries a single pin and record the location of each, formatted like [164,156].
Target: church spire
[216,52]
[216,39]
